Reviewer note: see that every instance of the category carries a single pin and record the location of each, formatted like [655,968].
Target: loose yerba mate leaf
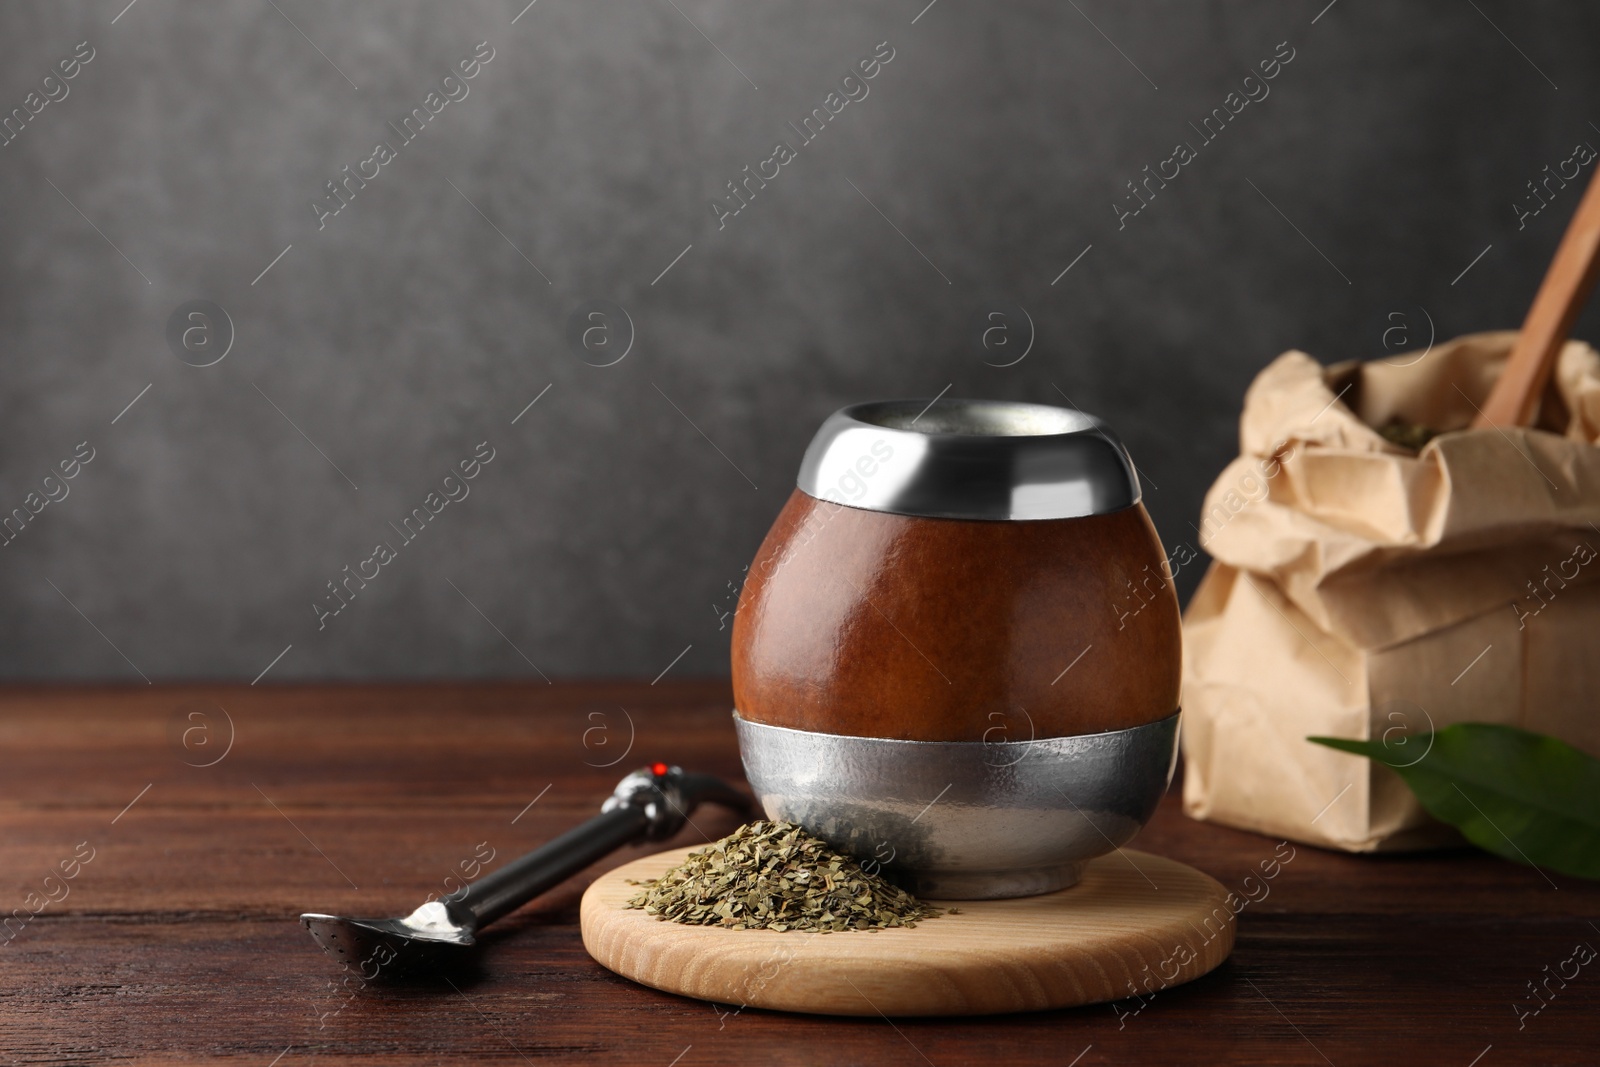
[776,876]
[1523,796]
[1407,434]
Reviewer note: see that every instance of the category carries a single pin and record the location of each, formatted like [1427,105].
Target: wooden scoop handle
[1514,401]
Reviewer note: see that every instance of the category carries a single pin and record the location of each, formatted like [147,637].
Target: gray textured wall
[382,347]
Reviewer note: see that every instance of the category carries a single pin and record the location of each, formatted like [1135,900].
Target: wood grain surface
[178,942]
[1135,925]
[876,625]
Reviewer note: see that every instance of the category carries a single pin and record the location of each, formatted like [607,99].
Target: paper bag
[1361,590]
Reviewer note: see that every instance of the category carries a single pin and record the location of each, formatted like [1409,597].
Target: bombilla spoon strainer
[650,804]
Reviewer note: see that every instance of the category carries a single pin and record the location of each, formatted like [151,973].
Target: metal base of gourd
[964,820]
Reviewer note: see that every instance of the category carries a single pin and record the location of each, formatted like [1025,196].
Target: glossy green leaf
[1529,798]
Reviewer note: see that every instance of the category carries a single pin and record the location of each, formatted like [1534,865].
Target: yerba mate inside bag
[1362,590]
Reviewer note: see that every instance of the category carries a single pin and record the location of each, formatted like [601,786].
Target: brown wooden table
[178,940]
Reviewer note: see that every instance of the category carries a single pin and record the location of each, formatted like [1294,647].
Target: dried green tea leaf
[1407,434]
[760,877]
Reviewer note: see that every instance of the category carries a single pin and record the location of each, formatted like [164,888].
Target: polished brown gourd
[873,624]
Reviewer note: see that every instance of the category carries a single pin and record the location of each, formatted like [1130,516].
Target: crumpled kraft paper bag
[1360,590]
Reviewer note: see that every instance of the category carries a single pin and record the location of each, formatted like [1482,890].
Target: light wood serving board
[1135,924]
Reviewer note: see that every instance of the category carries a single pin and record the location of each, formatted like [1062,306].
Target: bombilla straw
[650,804]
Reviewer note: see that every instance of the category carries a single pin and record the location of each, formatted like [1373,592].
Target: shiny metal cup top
[964,820]
[969,459]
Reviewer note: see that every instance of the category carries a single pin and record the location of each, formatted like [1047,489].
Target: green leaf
[1523,796]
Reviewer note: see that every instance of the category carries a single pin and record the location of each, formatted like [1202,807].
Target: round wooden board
[1135,924]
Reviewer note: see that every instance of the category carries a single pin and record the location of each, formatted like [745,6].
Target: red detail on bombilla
[658,769]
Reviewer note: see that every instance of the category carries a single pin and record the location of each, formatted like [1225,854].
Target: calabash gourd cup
[957,652]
